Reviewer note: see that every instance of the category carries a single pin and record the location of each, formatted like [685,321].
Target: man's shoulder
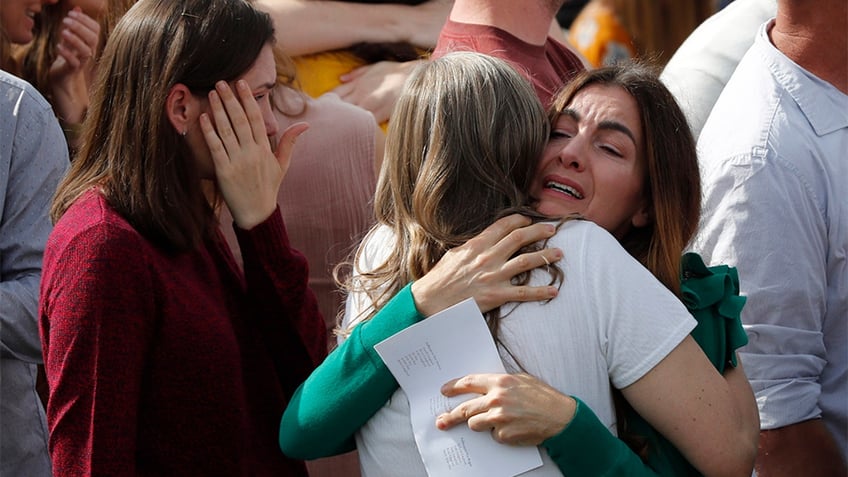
[16,93]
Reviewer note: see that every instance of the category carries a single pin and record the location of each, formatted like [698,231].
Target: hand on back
[483,268]
[518,409]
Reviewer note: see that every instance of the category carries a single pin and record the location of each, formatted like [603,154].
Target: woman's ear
[182,108]
[642,217]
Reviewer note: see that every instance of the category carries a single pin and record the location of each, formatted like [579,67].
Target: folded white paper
[422,358]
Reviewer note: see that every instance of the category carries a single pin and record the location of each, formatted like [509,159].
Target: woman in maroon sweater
[161,357]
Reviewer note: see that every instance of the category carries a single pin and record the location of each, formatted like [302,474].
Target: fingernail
[440,422]
[242,85]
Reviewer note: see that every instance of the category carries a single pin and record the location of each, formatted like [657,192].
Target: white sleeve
[641,320]
[377,243]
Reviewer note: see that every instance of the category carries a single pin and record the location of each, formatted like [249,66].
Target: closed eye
[611,150]
[268,93]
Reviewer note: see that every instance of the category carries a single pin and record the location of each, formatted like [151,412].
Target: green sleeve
[349,387]
[711,294]
[587,448]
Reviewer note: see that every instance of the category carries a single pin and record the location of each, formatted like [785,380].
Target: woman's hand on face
[76,48]
[249,173]
[518,409]
[482,268]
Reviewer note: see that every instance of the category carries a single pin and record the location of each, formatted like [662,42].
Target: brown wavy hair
[129,150]
[672,181]
[466,136]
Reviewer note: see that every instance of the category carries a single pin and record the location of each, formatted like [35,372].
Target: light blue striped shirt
[33,158]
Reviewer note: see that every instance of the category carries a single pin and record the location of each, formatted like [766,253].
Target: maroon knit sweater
[172,365]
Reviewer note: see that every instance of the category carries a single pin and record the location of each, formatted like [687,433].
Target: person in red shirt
[162,358]
[517,32]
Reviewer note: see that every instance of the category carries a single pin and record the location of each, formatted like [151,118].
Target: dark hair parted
[672,180]
[130,150]
[465,138]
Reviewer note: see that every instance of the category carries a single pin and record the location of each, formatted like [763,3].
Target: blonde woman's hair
[462,149]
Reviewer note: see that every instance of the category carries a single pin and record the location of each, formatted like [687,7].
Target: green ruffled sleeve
[349,387]
[712,296]
[586,447]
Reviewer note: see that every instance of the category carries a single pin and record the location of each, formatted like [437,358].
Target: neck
[528,20]
[812,34]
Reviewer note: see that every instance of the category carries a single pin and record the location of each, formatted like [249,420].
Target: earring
[183,134]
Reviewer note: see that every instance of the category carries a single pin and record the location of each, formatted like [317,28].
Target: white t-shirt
[612,322]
